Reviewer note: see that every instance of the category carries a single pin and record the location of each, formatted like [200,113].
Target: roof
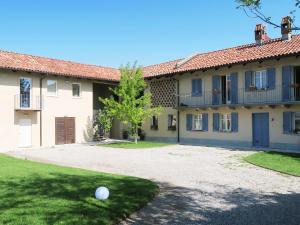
[272,48]
[16,61]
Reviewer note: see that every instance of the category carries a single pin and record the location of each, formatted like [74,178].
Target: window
[297,122]
[171,122]
[51,87]
[197,122]
[76,90]
[260,79]
[225,122]
[154,123]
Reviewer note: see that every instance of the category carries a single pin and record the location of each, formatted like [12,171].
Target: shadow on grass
[58,198]
[221,206]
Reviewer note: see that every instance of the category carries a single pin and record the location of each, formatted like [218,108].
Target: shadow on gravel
[178,205]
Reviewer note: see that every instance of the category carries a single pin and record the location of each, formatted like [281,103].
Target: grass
[37,194]
[132,145]
[287,163]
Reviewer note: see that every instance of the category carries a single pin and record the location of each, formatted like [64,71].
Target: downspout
[178,114]
[41,110]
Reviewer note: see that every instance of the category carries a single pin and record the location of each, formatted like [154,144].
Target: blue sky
[111,33]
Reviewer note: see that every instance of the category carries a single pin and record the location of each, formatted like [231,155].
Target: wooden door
[64,130]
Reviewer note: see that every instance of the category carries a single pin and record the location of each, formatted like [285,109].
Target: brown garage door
[64,130]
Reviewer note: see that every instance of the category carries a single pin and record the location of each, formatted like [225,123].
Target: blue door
[260,129]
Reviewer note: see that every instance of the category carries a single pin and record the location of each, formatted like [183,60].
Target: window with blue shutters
[296,123]
[196,87]
[291,122]
[197,122]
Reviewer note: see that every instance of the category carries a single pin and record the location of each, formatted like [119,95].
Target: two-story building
[245,96]
[45,101]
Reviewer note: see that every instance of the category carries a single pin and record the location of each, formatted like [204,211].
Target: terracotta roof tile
[16,61]
[236,55]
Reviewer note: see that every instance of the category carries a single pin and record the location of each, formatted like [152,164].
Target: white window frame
[199,118]
[296,117]
[49,93]
[262,85]
[225,117]
[79,90]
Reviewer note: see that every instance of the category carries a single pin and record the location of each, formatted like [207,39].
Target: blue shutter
[196,87]
[193,87]
[189,121]
[287,122]
[205,122]
[248,79]
[216,90]
[216,122]
[234,122]
[234,88]
[286,82]
[271,78]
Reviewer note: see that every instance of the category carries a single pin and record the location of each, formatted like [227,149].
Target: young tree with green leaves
[133,105]
[105,121]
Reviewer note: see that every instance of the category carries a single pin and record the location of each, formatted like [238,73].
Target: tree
[252,8]
[133,105]
[105,121]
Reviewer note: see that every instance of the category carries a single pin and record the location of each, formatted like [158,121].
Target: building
[245,96]
[46,101]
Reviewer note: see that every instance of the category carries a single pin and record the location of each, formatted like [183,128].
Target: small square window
[197,122]
[76,90]
[51,87]
[172,122]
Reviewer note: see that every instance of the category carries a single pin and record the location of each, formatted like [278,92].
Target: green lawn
[132,145]
[281,162]
[35,193]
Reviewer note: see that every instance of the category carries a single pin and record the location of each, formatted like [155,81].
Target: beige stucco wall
[162,125]
[61,105]
[244,125]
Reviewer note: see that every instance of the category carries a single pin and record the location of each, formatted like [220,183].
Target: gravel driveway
[199,185]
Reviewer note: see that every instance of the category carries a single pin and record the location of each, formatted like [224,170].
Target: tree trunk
[136,136]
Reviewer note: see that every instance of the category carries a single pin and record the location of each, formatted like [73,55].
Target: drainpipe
[178,114]
[41,110]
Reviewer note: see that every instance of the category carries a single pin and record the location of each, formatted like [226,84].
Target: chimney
[286,28]
[260,34]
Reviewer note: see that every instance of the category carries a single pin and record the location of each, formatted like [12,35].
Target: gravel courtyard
[199,185]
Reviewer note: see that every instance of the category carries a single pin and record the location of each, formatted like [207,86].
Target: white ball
[102,193]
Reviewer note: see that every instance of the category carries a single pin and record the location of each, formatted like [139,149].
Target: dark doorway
[297,83]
